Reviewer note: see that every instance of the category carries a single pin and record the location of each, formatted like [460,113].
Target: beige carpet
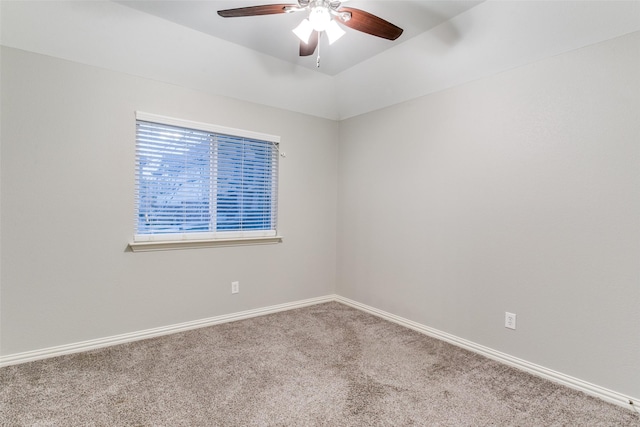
[325,365]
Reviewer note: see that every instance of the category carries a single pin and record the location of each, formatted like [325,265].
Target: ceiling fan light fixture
[334,32]
[320,17]
[324,16]
[304,30]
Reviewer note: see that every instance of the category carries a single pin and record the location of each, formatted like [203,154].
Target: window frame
[155,242]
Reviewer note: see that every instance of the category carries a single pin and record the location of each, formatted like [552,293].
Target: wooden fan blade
[370,24]
[307,49]
[266,9]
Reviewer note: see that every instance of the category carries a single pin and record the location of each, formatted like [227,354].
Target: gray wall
[68,141]
[518,192]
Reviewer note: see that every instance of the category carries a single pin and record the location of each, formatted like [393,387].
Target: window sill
[168,245]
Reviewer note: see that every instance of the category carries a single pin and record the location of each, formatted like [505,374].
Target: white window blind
[193,183]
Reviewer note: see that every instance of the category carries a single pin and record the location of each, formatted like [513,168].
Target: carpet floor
[323,365]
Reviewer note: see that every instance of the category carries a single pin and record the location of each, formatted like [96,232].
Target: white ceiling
[489,38]
[271,34]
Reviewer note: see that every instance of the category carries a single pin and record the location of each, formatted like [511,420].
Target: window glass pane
[174,173]
[192,181]
[244,184]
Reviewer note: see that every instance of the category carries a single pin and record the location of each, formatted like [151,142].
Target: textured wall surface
[519,192]
[68,143]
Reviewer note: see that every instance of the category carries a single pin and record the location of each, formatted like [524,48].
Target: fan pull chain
[318,57]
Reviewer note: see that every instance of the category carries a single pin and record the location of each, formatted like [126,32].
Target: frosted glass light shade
[303,30]
[320,17]
[334,32]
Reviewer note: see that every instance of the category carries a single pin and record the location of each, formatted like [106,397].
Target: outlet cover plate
[509,320]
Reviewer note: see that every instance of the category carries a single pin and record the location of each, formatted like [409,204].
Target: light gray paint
[68,141]
[519,192]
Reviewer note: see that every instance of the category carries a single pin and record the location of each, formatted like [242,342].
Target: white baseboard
[540,371]
[29,356]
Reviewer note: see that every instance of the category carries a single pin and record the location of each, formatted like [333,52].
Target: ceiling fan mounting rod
[327,4]
[331,6]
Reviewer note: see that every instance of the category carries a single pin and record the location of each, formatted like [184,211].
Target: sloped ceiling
[272,34]
[485,39]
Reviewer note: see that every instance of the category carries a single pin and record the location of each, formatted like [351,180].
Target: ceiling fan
[324,16]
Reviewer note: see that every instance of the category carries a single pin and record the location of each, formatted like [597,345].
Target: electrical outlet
[235,287]
[509,320]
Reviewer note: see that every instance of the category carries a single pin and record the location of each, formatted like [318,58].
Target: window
[197,182]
